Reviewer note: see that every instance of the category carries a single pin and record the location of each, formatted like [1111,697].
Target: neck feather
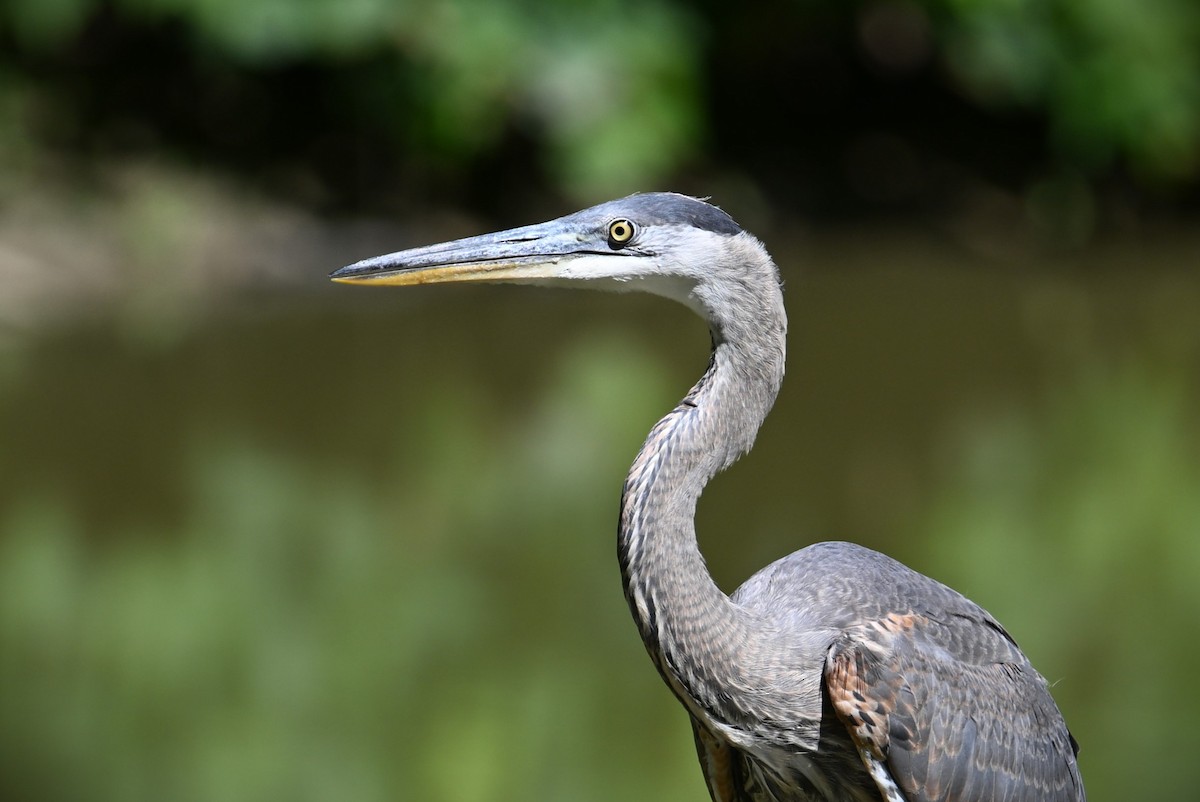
[692,630]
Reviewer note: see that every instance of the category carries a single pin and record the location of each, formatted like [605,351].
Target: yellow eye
[620,231]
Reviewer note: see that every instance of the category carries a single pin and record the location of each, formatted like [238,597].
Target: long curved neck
[692,630]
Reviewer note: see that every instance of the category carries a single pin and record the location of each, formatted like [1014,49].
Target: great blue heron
[835,673]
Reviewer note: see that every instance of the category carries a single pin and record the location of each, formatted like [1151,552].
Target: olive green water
[359,545]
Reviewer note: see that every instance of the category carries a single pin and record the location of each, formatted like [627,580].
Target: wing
[950,710]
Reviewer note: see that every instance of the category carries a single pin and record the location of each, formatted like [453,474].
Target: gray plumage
[836,673]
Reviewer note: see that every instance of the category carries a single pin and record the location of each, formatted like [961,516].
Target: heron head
[659,242]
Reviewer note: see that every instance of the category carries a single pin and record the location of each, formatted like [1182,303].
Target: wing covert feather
[954,711]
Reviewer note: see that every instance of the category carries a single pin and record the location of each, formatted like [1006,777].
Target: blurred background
[266,538]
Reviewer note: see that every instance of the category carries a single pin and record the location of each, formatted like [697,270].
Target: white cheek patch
[625,273]
[596,266]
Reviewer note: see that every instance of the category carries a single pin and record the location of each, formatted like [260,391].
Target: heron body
[835,674]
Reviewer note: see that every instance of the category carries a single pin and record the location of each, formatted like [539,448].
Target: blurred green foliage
[1118,80]
[613,101]
[618,95]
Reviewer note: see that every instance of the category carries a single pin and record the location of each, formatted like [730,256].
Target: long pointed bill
[526,254]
